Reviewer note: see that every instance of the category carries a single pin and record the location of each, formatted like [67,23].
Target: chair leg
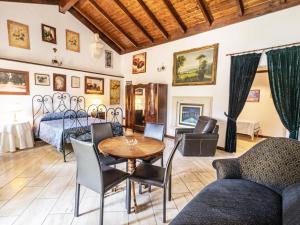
[126,167]
[164,205]
[162,161]
[149,189]
[170,188]
[101,209]
[77,199]
[128,196]
[140,189]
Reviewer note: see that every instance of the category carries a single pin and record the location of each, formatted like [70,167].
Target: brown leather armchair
[201,140]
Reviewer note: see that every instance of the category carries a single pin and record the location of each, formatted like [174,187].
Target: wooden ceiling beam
[134,20]
[65,5]
[154,19]
[204,9]
[119,28]
[96,29]
[283,1]
[175,15]
[241,7]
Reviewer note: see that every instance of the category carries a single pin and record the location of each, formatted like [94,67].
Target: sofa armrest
[290,205]
[227,168]
[195,136]
[183,130]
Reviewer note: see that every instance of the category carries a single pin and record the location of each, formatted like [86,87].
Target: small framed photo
[59,82]
[94,85]
[139,63]
[42,79]
[108,59]
[18,34]
[75,82]
[254,96]
[49,34]
[72,41]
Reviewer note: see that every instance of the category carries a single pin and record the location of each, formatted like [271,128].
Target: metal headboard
[58,102]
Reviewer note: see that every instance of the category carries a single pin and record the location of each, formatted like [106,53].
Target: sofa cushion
[232,202]
[291,205]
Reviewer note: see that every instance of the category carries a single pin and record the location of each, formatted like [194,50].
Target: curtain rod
[263,49]
[59,67]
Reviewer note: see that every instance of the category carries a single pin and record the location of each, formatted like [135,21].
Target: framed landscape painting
[14,82]
[42,79]
[72,41]
[59,82]
[254,96]
[195,66]
[115,92]
[48,34]
[139,63]
[18,34]
[94,85]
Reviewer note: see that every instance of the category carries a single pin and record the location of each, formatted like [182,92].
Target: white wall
[41,52]
[266,31]
[263,111]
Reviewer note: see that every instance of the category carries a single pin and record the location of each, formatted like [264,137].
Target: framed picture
[108,59]
[94,85]
[195,66]
[189,114]
[139,91]
[48,34]
[115,91]
[72,41]
[18,34]
[42,79]
[75,82]
[254,96]
[139,63]
[59,82]
[14,82]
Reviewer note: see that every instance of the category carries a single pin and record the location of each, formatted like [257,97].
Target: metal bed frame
[72,106]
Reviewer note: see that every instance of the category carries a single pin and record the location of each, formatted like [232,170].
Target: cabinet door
[129,105]
[151,113]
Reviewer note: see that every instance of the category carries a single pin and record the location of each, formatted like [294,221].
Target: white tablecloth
[15,135]
[247,127]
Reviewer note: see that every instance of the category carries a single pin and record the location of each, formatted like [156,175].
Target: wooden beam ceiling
[134,20]
[154,19]
[119,28]
[88,22]
[175,15]
[241,7]
[47,2]
[65,5]
[204,9]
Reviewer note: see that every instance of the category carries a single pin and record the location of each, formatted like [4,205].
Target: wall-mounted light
[55,61]
[161,68]
[96,47]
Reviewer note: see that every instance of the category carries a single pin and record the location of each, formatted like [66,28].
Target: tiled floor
[37,188]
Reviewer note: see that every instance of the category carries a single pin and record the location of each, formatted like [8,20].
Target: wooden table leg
[131,168]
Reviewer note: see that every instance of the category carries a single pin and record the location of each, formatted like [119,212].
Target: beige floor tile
[58,219]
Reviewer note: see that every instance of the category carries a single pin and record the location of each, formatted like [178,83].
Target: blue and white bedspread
[52,131]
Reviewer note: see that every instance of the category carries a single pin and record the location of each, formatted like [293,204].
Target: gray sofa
[262,187]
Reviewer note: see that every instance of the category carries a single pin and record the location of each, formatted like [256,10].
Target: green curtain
[242,73]
[284,76]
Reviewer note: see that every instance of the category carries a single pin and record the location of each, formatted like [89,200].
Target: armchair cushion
[227,168]
[291,205]
[232,202]
[205,125]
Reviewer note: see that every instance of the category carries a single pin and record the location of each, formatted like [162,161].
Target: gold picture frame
[18,34]
[72,41]
[115,92]
[201,69]
[139,62]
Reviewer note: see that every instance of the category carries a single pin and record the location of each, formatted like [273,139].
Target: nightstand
[15,135]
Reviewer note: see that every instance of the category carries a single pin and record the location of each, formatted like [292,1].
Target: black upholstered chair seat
[149,174]
[110,160]
[112,177]
[232,202]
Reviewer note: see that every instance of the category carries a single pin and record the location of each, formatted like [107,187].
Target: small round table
[131,148]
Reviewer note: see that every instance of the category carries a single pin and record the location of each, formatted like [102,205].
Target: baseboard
[220,148]
[264,136]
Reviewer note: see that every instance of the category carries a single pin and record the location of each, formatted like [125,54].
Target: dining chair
[92,174]
[100,132]
[154,175]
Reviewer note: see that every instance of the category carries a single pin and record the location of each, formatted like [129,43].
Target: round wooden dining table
[132,148]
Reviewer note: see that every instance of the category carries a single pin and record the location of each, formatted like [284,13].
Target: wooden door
[152,101]
[129,105]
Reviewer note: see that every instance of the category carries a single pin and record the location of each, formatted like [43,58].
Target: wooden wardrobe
[146,103]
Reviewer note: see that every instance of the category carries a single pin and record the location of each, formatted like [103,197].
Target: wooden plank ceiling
[130,25]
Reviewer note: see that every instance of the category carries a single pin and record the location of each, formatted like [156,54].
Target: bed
[59,117]
[248,127]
